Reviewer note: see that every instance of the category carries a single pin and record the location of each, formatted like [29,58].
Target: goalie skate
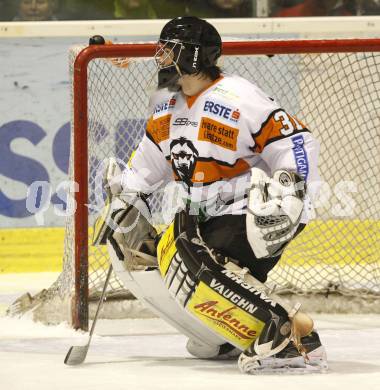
[289,360]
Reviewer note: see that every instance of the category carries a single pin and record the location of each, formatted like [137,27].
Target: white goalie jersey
[209,142]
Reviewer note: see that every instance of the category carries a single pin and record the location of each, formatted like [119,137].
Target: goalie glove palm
[274,210]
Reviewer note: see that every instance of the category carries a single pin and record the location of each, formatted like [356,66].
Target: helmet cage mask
[185,57]
[168,53]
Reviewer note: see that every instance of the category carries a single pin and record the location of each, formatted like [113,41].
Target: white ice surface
[148,354]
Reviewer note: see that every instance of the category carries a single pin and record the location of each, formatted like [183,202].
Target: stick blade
[76,355]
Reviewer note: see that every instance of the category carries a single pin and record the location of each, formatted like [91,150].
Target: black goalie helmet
[187,45]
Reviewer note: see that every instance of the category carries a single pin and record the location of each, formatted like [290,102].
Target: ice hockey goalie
[244,166]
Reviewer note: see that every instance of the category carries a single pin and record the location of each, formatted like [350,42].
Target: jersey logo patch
[183,155]
[222,111]
[159,128]
[164,106]
[300,156]
[184,122]
[224,317]
[218,133]
[226,93]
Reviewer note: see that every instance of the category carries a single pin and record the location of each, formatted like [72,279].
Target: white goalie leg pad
[201,350]
[274,210]
[147,286]
[217,352]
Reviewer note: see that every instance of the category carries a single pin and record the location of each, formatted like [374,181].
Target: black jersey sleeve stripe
[149,136]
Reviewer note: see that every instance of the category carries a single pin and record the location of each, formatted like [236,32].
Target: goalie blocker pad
[131,235]
[219,298]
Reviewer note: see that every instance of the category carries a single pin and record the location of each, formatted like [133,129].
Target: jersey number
[287,123]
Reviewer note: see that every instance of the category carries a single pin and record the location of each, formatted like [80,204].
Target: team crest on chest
[183,155]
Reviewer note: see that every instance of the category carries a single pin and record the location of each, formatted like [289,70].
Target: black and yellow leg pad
[217,297]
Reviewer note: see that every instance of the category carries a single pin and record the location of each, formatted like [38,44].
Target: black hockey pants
[228,235]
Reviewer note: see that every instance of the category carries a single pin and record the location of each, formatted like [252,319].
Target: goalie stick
[77,353]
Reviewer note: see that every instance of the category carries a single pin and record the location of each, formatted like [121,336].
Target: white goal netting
[337,95]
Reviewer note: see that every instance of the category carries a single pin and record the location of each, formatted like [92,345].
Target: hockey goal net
[331,85]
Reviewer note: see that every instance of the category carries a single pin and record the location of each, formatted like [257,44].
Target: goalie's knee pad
[231,307]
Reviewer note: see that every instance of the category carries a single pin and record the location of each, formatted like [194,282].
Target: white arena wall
[35,102]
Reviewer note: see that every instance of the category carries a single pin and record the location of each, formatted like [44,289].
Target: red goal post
[240,50]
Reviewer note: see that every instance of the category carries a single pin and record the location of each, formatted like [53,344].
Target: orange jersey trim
[273,129]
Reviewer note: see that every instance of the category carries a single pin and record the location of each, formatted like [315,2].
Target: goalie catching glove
[274,210]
